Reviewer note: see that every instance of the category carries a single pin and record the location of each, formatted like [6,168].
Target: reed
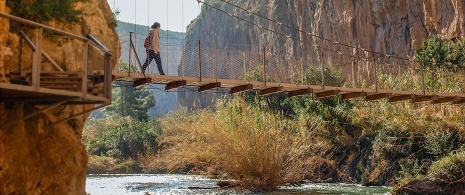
[254,147]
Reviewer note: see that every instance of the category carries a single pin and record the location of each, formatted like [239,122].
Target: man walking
[153,49]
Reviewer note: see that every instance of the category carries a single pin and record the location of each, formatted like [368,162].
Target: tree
[444,52]
[121,138]
[128,101]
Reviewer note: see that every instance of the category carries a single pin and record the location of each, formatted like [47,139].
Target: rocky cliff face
[36,158]
[385,26]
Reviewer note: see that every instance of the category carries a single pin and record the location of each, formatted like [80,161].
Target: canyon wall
[36,158]
[390,27]
[384,26]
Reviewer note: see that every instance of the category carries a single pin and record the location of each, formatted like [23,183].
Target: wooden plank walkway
[55,86]
[292,90]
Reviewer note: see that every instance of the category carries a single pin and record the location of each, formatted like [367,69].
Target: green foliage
[121,137]
[449,168]
[393,142]
[124,67]
[312,76]
[256,74]
[127,101]
[438,50]
[440,142]
[409,168]
[45,10]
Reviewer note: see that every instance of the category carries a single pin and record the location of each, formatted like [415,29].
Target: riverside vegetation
[262,143]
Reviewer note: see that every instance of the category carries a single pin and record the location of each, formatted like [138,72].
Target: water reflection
[181,184]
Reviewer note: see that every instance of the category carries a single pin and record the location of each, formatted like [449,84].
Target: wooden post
[85,58]
[376,74]
[183,60]
[302,59]
[353,75]
[245,66]
[322,70]
[200,62]
[216,62]
[108,77]
[264,64]
[130,54]
[36,63]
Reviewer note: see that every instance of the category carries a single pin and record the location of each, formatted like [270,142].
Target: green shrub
[439,142]
[449,168]
[392,142]
[121,138]
[45,10]
[438,50]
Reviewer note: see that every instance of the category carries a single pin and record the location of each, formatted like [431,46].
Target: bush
[45,10]
[439,142]
[392,142]
[438,50]
[253,146]
[121,138]
[449,168]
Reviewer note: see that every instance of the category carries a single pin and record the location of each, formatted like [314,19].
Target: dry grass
[256,148]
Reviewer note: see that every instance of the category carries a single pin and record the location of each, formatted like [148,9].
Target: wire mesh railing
[207,59]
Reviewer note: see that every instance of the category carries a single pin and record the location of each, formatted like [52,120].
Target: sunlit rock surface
[36,158]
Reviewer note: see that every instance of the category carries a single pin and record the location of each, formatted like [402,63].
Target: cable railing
[51,58]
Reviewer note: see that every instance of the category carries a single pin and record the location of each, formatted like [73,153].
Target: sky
[169,13]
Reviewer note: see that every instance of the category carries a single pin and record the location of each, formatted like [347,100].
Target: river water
[181,184]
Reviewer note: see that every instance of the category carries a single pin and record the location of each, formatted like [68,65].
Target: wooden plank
[175,84]
[241,88]
[42,78]
[461,101]
[399,98]
[417,98]
[444,100]
[353,95]
[377,96]
[37,60]
[230,83]
[56,72]
[270,90]
[52,61]
[209,86]
[140,82]
[299,92]
[42,83]
[326,94]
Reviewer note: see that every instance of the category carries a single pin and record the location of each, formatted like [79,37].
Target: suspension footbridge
[206,65]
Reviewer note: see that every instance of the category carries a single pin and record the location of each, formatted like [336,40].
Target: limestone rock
[36,158]
[385,26]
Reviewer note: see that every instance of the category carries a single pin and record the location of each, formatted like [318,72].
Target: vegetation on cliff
[45,10]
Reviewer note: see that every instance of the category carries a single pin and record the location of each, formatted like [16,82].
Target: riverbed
[192,184]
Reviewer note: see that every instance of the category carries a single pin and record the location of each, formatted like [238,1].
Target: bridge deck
[291,90]
[14,93]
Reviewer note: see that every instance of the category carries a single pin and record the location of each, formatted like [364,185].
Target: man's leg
[158,60]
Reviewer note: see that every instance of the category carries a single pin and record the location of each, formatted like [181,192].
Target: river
[179,184]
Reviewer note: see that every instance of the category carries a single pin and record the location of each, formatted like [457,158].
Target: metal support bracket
[35,113]
[76,115]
